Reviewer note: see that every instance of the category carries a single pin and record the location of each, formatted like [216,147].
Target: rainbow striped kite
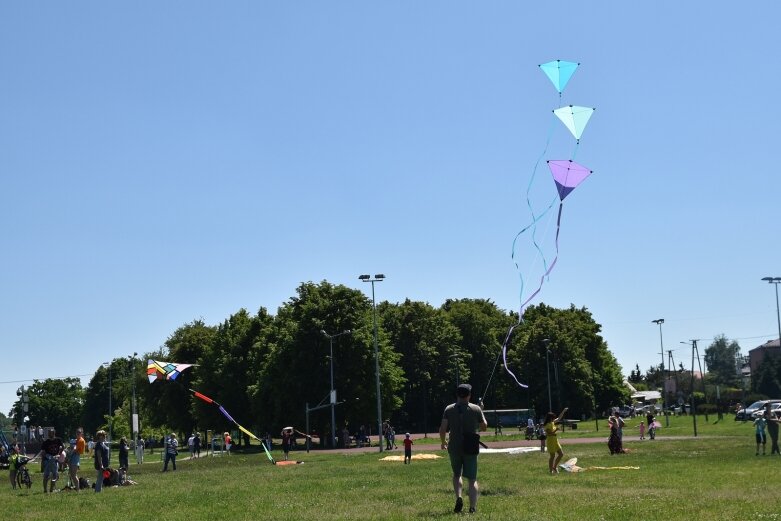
[227,415]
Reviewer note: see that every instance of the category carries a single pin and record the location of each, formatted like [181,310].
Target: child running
[552,440]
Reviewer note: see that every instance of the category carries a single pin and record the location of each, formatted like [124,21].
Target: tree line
[264,368]
[724,383]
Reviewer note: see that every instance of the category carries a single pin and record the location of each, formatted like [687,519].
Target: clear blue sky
[168,161]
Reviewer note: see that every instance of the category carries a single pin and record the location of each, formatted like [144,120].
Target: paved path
[432,443]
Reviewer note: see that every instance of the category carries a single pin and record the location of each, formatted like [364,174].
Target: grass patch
[712,477]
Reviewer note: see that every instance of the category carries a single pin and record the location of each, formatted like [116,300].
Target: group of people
[194,445]
[770,423]
[389,433]
[32,433]
[55,458]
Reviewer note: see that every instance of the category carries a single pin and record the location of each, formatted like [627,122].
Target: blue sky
[168,161]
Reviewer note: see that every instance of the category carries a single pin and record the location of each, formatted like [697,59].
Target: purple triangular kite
[568,175]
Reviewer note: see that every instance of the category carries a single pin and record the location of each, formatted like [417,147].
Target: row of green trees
[264,368]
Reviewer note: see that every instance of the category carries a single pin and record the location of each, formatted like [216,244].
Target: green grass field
[714,476]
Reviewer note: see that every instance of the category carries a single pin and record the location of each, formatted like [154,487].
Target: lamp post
[377,278]
[660,321]
[110,412]
[134,417]
[775,281]
[545,342]
[333,392]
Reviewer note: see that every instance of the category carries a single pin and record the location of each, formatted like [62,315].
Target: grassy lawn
[715,476]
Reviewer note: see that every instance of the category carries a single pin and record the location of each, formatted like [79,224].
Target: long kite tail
[527,301]
[230,418]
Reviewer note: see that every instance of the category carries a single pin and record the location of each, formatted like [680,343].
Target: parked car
[747,412]
[625,411]
[775,408]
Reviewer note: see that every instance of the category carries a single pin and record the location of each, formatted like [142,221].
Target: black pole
[702,376]
[691,381]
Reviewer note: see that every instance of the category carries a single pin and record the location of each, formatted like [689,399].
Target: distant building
[757,355]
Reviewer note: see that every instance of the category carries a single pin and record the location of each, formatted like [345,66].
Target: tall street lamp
[333,392]
[134,417]
[775,281]
[110,412]
[545,342]
[660,321]
[377,278]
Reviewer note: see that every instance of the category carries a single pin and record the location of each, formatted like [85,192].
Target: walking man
[51,449]
[463,419]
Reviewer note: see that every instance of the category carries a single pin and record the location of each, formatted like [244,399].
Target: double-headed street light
[377,278]
[333,391]
[775,281]
[660,321]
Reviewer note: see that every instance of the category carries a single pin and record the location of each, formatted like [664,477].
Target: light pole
[776,281]
[134,418]
[110,412]
[545,342]
[377,278]
[660,321]
[333,392]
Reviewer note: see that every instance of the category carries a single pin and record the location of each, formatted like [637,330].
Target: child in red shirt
[407,449]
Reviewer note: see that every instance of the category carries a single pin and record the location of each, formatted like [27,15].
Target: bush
[708,408]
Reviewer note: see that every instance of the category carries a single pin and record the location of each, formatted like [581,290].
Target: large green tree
[721,359]
[483,328]
[228,366]
[298,368]
[431,357]
[53,403]
[563,347]
[111,384]
[767,380]
[169,402]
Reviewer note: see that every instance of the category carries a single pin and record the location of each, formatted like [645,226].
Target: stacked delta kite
[567,175]
[157,370]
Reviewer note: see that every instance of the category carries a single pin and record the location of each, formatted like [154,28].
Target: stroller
[22,474]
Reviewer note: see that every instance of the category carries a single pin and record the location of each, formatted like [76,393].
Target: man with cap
[462,418]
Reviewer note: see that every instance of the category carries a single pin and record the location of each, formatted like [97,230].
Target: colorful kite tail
[529,299]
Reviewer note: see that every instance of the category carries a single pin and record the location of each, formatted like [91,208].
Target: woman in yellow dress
[552,440]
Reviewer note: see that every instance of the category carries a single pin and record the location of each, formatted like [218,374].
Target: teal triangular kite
[575,118]
[559,72]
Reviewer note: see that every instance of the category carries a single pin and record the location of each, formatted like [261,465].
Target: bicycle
[22,474]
